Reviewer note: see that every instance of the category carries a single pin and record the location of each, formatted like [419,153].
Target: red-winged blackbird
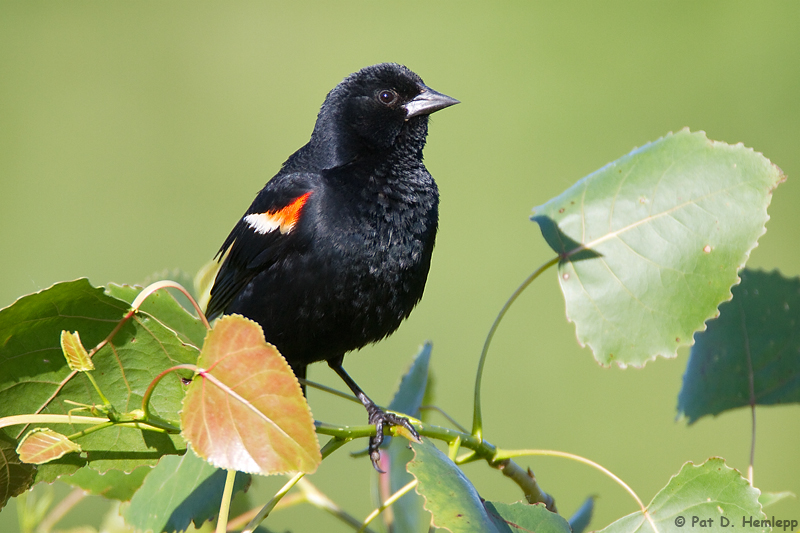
[334,251]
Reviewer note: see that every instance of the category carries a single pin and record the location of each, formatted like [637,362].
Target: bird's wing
[266,232]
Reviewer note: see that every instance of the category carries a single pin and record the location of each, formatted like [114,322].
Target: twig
[752,392]
[164,284]
[330,447]
[527,482]
[59,511]
[477,417]
[389,501]
[225,505]
[444,414]
[507,454]
[235,524]
[319,500]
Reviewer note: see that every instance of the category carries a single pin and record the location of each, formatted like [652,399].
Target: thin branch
[389,501]
[481,449]
[59,511]
[225,505]
[236,524]
[164,284]
[477,417]
[527,482]
[751,389]
[452,449]
[331,390]
[149,392]
[50,419]
[444,414]
[319,500]
[330,447]
[507,454]
[264,512]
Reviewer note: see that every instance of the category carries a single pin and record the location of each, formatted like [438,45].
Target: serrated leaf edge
[746,255]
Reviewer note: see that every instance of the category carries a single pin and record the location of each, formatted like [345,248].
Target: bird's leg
[375,414]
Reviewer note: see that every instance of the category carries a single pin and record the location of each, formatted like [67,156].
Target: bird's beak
[427,102]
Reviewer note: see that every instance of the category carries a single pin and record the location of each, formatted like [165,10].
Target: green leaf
[76,355]
[15,476]
[42,445]
[408,397]
[523,517]
[651,243]
[579,521]
[166,309]
[768,498]
[449,495]
[710,491]
[245,410]
[407,514]
[114,484]
[204,279]
[756,337]
[35,377]
[179,491]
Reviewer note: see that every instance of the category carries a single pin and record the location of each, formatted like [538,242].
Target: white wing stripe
[263,223]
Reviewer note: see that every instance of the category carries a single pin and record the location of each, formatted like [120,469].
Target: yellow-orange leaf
[245,410]
[76,355]
[42,445]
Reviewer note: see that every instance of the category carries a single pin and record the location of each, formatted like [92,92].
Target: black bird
[334,251]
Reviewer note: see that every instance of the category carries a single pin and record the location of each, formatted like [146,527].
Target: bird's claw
[379,418]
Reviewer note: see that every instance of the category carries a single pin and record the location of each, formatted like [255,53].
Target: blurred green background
[133,135]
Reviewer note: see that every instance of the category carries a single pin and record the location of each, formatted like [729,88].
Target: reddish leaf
[42,445]
[245,410]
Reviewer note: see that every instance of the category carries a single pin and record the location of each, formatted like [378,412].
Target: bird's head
[370,108]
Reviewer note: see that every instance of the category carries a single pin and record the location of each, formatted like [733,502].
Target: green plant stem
[110,336]
[225,506]
[164,284]
[106,403]
[330,447]
[508,454]
[453,448]
[133,423]
[153,423]
[92,429]
[444,414]
[389,501]
[330,390]
[484,449]
[91,353]
[149,392]
[60,510]
[527,482]
[264,512]
[147,291]
[315,497]
[236,524]
[477,418]
[481,449]
[751,391]
[50,419]
[97,423]
[750,467]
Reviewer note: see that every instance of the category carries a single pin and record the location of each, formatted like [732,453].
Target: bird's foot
[380,418]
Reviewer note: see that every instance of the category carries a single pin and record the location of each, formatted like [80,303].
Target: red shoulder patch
[283,219]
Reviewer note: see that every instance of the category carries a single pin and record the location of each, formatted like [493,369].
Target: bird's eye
[387,97]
